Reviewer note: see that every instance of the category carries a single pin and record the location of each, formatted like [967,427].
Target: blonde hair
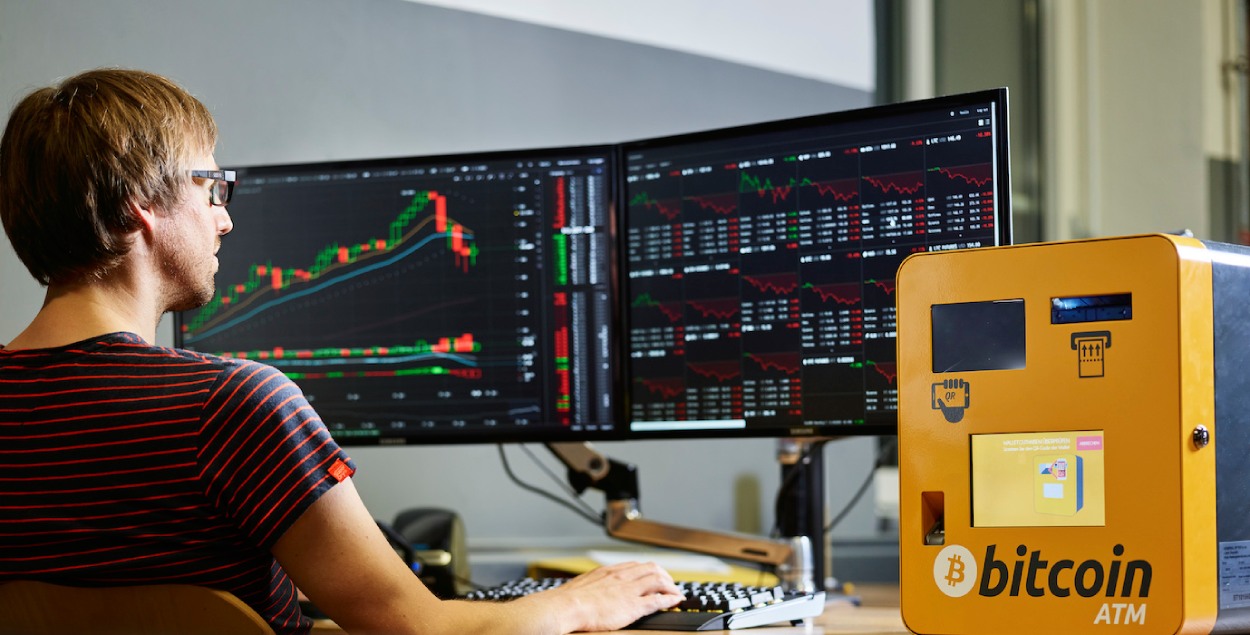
[74,155]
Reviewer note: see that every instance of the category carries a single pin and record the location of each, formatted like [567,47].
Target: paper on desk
[667,561]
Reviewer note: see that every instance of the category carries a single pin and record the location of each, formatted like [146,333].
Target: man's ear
[144,213]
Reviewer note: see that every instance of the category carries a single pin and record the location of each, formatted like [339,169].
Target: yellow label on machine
[1038,480]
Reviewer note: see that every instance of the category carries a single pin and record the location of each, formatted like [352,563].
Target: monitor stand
[801,500]
[791,558]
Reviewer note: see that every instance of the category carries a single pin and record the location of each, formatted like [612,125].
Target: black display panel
[439,299]
[759,261]
[969,336]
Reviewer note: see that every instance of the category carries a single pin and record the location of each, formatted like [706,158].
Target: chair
[39,608]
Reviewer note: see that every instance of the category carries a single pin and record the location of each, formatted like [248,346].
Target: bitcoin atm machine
[1074,450]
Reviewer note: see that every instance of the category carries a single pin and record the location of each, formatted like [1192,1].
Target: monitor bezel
[1002,193]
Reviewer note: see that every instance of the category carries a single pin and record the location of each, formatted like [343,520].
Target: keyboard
[709,606]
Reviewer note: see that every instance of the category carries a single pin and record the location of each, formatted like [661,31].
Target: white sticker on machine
[1235,574]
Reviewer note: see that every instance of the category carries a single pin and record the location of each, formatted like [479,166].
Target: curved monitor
[759,261]
[462,298]
[733,282]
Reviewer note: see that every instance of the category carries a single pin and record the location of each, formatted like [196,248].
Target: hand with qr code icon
[952,397]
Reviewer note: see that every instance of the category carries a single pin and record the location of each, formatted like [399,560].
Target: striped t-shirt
[123,463]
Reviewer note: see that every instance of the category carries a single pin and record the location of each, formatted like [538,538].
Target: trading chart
[402,298]
[760,265]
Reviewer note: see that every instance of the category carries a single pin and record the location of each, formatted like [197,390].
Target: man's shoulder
[229,366]
[235,365]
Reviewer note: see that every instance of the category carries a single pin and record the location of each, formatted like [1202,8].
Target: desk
[879,615]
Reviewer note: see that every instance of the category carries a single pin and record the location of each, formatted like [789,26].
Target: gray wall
[309,80]
[1141,97]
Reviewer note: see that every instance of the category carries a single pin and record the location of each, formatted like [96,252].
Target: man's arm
[338,558]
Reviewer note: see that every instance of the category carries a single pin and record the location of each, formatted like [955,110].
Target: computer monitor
[733,282]
[462,298]
[759,261]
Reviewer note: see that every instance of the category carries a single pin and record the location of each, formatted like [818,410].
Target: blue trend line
[328,283]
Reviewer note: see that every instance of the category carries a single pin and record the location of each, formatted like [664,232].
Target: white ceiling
[827,40]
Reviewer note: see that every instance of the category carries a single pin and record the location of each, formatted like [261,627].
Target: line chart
[723,204]
[665,387]
[885,285]
[720,308]
[977,174]
[671,310]
[721,370]
[463,343]
[888,370]
[242,301]
[786,362]
[764,187]
[383,361]
[842,190]
[783,283]
[902,182]
[669,208]
[847,293]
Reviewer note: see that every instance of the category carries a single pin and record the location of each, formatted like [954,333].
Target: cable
[560,482]
[886,448]
[545,494]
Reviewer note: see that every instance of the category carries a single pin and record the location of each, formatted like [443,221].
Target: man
[124,463]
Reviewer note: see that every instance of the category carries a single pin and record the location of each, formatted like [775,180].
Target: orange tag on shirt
[340,470]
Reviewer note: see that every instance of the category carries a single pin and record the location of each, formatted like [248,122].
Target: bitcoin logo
[955,570]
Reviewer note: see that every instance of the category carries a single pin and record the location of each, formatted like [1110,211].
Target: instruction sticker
[1235,574]
[1038,479]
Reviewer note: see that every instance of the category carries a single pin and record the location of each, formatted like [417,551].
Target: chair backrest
[39,608]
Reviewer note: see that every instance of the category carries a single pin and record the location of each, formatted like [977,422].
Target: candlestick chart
[421,299]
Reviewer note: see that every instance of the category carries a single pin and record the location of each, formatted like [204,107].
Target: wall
[985,43]
[1127,116]
[309,80]
[787,36]
[1144,118]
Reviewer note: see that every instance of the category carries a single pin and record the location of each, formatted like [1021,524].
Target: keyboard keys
[707,605]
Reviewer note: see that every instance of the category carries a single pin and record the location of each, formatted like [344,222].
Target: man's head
[76,156]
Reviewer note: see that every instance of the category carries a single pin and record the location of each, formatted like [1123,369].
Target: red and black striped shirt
[123,463]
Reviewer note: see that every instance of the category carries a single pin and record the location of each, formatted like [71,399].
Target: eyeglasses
[223,185]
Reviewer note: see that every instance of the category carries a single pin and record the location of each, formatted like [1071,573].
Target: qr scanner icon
[952,397]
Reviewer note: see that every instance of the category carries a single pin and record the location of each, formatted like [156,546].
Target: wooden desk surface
[879,615]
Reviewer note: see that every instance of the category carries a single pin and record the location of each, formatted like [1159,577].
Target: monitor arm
[588,468]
